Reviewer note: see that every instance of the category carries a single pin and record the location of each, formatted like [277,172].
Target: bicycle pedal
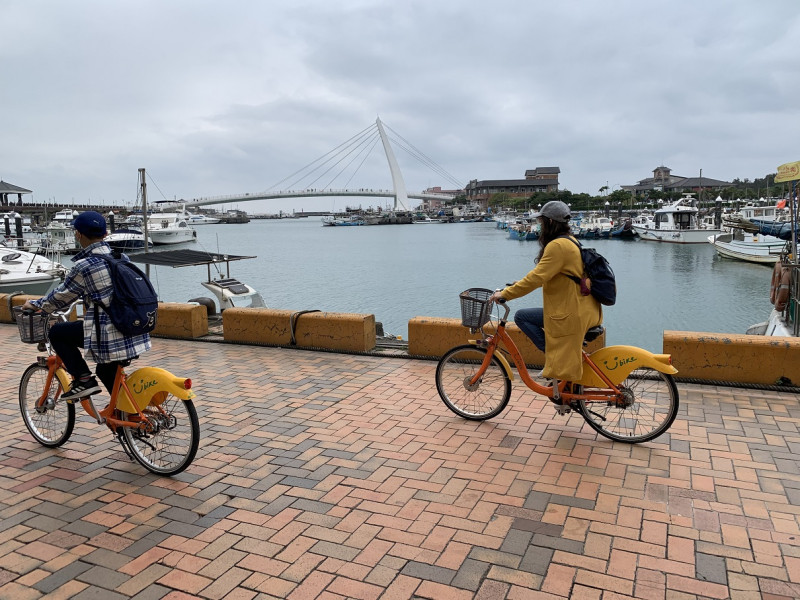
[563,409]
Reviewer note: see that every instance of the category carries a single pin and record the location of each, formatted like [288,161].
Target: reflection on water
[403,271]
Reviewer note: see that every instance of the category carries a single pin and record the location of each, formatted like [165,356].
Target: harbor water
[398,272]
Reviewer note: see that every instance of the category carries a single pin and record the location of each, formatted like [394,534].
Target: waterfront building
[664,181]
[540,179]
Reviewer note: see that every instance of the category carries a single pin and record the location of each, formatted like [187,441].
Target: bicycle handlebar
[504,303]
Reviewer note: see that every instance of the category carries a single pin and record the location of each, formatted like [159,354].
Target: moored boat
[126,240]
[624,231]
[28,273]
[676,223]
[169,225]
[749,247]
[202,219]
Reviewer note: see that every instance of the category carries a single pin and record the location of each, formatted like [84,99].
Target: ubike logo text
[141,386]
[618,362]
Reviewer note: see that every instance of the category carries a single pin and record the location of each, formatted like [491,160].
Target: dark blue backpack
[134,304]
[601,282]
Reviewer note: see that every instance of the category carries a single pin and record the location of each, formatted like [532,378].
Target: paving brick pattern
[331,476]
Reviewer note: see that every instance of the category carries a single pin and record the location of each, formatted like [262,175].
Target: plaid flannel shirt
[90,279]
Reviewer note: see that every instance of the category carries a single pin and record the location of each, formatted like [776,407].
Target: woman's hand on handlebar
[497,298]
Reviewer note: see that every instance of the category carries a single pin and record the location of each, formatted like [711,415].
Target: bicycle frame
[492,342]
[122,397]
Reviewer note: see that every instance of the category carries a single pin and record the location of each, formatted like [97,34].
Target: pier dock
[325,475]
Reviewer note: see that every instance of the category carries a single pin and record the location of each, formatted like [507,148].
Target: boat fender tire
[782,294]
[775,283]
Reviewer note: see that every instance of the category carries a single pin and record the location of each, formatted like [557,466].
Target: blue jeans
[66,338]
[531,321]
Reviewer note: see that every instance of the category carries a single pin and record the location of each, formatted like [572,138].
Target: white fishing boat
[59,232]
[751,247]
[169,225]
[202,219]
[126,240]
[595,226]
[28,273]
[676,223]
[745,239]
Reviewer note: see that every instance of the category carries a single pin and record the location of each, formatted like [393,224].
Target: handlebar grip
[501,300]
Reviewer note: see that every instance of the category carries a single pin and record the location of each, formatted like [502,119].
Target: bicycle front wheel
[478,401]
[51,423]
[170,443]
[649,408]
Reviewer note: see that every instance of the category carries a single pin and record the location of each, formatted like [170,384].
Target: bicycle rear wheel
[651,405]
[52,423]
[483,400]
[172,441]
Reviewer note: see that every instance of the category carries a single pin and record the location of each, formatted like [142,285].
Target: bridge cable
[374,143]
[366,150]
[360,133]
[337,163]
[360,142]
[429,163]
[423,158]
[433,166]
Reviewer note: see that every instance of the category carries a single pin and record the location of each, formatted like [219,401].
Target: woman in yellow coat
[557,328]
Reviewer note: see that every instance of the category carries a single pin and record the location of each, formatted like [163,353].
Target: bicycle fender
[503,360]
[619,361]
[150,385]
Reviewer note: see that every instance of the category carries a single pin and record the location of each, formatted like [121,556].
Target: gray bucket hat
[555,210]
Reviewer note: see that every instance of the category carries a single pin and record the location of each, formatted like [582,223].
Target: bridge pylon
[400,194]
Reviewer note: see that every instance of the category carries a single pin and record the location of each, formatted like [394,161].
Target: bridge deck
[323,475]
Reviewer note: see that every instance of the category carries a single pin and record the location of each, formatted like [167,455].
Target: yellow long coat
[567,314]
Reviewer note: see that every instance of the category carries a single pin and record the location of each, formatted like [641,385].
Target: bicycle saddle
[593,333]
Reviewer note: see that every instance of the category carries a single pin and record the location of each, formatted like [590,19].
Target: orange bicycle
[151,411]
[625,393]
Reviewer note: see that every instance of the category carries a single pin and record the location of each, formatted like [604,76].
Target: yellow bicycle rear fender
[617,362]
[150,385]
[501,358]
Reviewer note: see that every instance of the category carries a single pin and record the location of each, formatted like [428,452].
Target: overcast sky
[217,98]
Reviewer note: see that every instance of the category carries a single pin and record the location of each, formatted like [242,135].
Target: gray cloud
[224,98]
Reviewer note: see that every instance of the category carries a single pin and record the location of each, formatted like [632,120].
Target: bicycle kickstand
[123,443]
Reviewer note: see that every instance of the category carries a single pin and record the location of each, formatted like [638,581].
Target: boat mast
[143,188]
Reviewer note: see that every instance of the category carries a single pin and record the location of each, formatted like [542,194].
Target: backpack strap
[96,304]
[578,244]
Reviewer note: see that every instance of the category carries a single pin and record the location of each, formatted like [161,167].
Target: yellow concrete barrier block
[734,358]
[16,300]
[348,332]
[433,336]
[180,320]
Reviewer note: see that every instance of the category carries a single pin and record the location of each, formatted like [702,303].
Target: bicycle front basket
[32,327]
[475,307]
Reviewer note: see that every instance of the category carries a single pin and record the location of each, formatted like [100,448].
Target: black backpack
[134,304]
[602,284]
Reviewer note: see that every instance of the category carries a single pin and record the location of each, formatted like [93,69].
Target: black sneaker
[81,389]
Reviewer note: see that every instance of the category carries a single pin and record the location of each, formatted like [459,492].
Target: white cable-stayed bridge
[317,178]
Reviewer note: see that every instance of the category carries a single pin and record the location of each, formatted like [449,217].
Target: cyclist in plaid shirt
[89,279]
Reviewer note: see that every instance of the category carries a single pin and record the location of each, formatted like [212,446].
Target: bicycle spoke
[169,442]
[50,423]
[478,400]
[650,407]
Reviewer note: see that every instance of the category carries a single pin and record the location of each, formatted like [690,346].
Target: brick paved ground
[334,476]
